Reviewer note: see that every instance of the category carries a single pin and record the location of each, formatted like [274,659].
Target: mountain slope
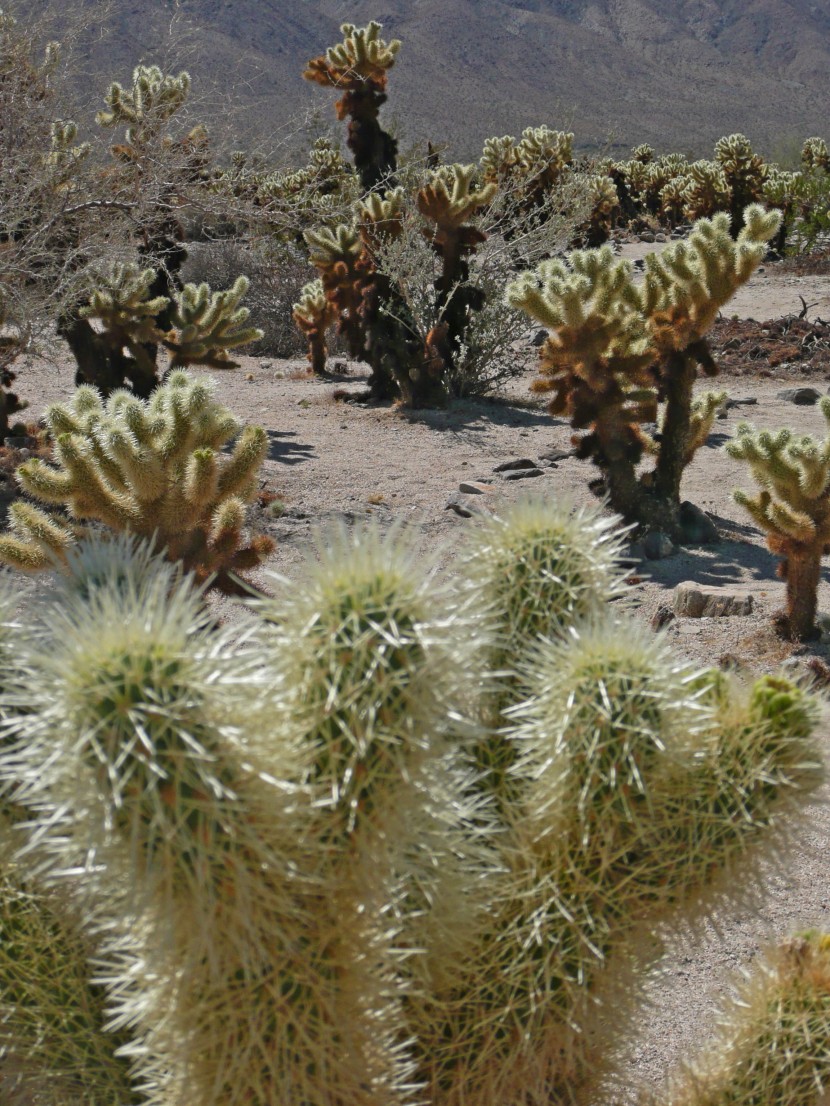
[617,72]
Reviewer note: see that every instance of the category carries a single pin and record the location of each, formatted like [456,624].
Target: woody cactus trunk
[617,351]
[358,67]
[327,902]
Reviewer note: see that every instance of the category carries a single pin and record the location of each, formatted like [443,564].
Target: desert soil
[332,460]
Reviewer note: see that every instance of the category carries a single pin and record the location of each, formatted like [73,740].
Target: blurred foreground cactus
[153,469]
[793,507]
[326,901]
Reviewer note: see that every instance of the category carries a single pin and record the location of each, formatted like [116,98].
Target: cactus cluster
[153,469]
[617,350]
[294,879]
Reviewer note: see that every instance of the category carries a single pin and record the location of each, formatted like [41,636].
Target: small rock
[340,367]
[708,601]
[554,455]
[804,397]
[660,238]
[732,343]
[639,265]
[748,401]
[539,338]
[22,441]
[266,364]
[518,463]
[656,546]
[632,555]
[524,474]
[466,507]
[473,487]
[662,617]
[696,526]
[294,512]
[647,236]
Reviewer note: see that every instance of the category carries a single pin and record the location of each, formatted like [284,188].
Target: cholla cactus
[618,349]
[499,158]
[774,1045]
[209,325]
[706,191]
[153,99]
[314,313]
[793,507]
[359,66]
[815,155]
[745,172]
[155,470]
[260,808]
[201,327]
[603,205]
[704,411]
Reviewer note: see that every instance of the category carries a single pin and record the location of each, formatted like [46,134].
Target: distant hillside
[617,72]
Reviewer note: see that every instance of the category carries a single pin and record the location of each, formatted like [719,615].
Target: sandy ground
[332,460]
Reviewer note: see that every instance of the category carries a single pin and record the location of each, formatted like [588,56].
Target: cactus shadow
[287,452]
[733,560]
[472,416]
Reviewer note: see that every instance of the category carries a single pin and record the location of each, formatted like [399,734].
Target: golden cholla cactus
[603,206]
[543,154]
[380,217]
[153,469]
[314,313]
[451,198]
[153,98]
[208,325]
[815,155]
[688,283]
[643,153]
[618,349]
[707,190]
[338,255]
[359,66]
[597,359]
[745,171]
[362,55]
[793,507]
[499,158]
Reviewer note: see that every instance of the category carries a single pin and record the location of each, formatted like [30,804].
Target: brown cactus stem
[802,570]
[375,151]
[679,374]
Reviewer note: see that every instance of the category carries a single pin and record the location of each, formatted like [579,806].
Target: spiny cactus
[706,190]
[260,808]
[793,507]
[359,66]
[745,173]
[202,327]
[314,313]
[535,569]
[815,154]
[617,350]
[773,1043]
[154,469]
[209,325]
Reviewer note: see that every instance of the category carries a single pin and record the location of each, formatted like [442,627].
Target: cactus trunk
[802,573]
[680,378]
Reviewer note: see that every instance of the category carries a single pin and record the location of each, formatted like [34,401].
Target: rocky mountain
[617,72]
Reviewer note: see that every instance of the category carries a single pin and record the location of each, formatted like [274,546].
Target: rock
[804,397]
[473,487]
[539,338]
[518,463]
[748,401]
[554,455]
[732,343]
[696,526]
[656,546]
[660,238]
[524,474]
[662,617]
[465,506]
[708,601]
[294,512]
[639,265]
[632,555]
[21,441]
[647,236]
